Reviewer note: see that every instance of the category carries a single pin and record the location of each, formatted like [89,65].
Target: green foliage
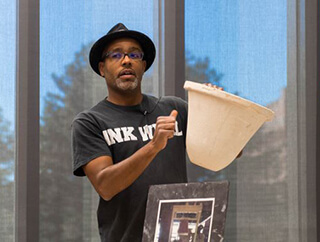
[6,152]
[199,70]
[6,180]
[61,194]
[6,140]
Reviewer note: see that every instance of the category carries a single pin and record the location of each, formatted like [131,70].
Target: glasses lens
[115,55]
[135,55]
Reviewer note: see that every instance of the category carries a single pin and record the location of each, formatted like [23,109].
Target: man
[129,140]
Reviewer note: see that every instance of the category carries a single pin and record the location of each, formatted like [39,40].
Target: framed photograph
[190,212]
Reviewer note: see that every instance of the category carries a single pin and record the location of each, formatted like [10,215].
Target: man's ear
[101,65]
[144,65]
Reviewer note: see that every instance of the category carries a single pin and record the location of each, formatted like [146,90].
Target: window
[242,48]
[7,118]
[68,86]
[257,49]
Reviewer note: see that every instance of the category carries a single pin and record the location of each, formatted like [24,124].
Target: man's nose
[126,60]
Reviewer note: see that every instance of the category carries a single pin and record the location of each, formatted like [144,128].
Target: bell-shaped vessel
[220,124]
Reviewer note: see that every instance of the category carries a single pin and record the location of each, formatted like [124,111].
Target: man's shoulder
[89,114]
[174,101]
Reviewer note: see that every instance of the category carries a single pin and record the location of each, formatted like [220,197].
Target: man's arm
[109,179]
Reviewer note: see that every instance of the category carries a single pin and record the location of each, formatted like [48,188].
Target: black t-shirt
[119,131]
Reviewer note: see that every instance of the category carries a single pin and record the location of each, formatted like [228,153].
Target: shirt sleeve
[87,143]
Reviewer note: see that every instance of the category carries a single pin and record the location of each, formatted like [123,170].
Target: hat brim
[146,43]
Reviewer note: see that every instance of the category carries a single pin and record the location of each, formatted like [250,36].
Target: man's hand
[214,86]
[165,126]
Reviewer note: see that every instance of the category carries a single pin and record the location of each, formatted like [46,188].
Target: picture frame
[186,212]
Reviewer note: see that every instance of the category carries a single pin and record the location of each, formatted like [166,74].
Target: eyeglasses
[116,56]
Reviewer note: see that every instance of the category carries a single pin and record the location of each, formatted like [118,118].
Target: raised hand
[165,126]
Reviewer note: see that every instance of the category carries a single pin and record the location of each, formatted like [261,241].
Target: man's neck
[125,100]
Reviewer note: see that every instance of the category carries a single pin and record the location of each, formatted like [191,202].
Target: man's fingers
[174,113]
[214,86]
[167,133]
[166,126]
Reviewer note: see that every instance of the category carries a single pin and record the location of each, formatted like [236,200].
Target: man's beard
[127,85]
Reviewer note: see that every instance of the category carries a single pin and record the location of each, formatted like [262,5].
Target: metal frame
[27,122]
[318,122]
[172,47]
[311,72]
[301,119]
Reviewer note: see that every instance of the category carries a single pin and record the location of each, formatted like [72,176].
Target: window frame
[27,129]
[301,121]
[303,102]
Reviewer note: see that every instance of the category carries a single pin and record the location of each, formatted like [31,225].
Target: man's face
[123,75]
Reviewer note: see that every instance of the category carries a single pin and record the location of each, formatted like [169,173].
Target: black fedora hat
[121,31]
